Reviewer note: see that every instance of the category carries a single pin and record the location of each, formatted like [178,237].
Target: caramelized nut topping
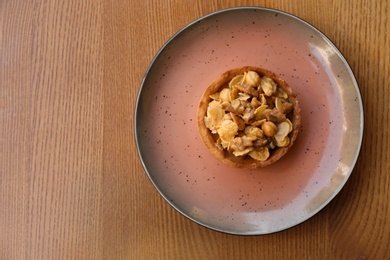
[250,116]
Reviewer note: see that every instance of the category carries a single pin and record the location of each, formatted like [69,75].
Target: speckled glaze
[239,201]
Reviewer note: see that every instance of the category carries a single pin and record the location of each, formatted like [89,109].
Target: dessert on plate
[248,117]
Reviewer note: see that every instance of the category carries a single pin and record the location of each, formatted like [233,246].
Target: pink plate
[237,201]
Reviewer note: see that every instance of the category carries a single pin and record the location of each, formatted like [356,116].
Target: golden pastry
[248,117]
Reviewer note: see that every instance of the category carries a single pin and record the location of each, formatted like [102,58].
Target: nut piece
[268,85]
[283,106]
[260,112]
[247,89]
[283,129]
[225,95]
[262,154]
[252,78]
[215,115]
[227,131]
[282,143]
[269,128]
[236,80]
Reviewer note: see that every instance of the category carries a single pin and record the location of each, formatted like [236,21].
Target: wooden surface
[71,183]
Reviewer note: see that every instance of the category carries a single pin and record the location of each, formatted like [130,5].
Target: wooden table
[71,183]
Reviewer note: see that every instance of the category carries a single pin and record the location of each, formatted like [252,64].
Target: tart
[248,117]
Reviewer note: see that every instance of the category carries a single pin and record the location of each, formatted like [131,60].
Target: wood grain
[71,183]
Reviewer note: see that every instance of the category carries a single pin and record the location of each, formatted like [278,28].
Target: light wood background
[71,183]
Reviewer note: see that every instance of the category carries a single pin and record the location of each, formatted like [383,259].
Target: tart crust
[209,139]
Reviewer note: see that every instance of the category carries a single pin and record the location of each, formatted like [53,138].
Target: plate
[238,201]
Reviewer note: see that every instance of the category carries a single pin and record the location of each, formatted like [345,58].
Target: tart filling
[250,115]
